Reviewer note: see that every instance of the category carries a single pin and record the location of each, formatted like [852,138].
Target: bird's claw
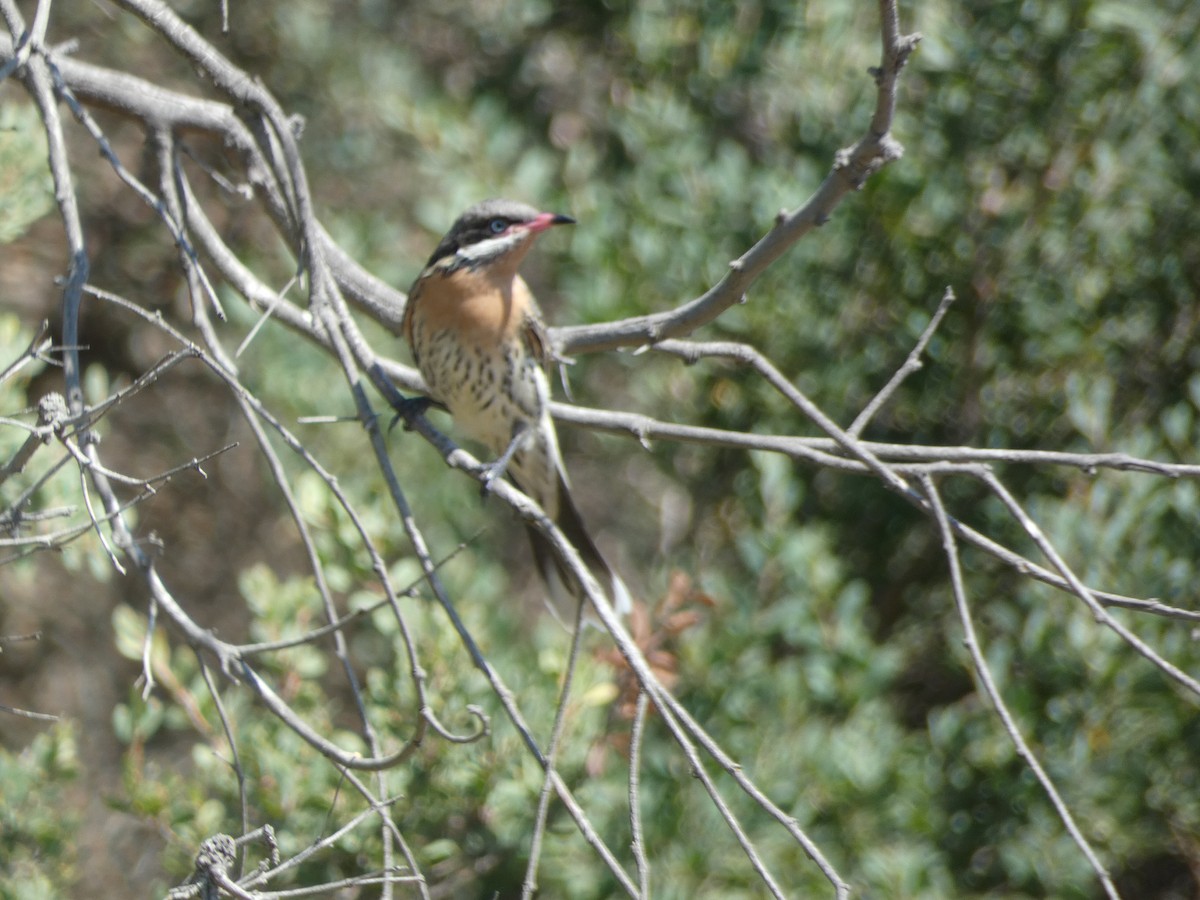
[491,472]
[499,466]
[409,408]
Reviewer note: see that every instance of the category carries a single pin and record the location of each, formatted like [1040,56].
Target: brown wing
[534,333]
[406,326]
[565,589]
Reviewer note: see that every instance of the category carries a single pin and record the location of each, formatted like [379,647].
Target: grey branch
[251,122]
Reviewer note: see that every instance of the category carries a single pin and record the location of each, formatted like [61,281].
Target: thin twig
[235,761]
[28,714]
[984,674]
[911,364]
[1083,592]
[637,841]
[529,886]
[36,348]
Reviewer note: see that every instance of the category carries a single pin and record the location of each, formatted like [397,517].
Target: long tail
[563,585]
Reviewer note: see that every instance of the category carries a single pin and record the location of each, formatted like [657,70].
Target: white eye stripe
[490,247]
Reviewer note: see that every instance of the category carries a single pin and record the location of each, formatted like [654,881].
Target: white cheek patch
[491,247]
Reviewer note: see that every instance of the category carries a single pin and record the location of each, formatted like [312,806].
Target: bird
[478,338]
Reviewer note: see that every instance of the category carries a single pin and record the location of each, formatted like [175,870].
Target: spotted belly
[490,393]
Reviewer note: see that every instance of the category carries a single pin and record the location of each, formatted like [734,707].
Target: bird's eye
[496,226]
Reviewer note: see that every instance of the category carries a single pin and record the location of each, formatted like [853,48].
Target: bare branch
[36,350]
[984,674]
[911,364]
[313,304]
[637,842]
[529,887]
[12,710]
[1082,592]
[851,169]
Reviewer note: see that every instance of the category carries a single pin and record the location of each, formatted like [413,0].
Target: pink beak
[547,220]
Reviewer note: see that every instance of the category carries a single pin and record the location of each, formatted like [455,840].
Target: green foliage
[38,828]
[41,486]
[26,191]
[470,805]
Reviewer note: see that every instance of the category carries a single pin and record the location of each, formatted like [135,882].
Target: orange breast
[479,305]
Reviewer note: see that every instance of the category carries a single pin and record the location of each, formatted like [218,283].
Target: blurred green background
[1051,172]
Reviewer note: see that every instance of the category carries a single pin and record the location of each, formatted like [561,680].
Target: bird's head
[492,230]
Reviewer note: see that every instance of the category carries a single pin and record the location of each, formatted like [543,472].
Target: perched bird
[477,336]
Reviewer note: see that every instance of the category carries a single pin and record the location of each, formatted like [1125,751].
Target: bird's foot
[499,466]
[409,408]
[491,472]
